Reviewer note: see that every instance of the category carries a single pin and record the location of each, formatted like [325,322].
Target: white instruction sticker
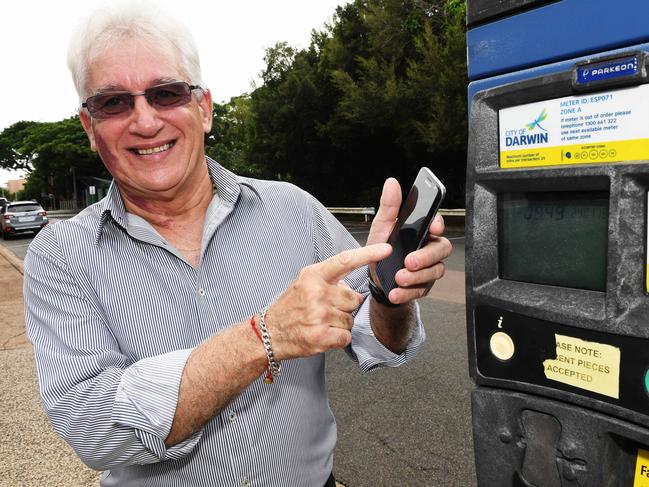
[596,128]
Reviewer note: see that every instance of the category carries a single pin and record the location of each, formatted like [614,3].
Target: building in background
[15,185]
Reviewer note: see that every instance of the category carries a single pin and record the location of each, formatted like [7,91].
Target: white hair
[133,20]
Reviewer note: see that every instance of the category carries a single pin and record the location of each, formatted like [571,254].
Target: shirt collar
[226,182]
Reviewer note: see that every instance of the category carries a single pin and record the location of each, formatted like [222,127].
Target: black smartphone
[411,228]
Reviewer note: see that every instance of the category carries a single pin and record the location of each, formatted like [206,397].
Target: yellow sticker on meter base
[641,477]
[590,366]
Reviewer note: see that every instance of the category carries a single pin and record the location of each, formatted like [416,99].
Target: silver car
[22,216]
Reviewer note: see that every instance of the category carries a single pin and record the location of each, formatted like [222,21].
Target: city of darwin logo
[523,137]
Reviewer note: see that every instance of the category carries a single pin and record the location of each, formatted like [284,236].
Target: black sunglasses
[113,103]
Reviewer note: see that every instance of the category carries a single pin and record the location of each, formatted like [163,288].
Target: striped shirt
[114,311]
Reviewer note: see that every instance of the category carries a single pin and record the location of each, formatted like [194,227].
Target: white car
[22,216]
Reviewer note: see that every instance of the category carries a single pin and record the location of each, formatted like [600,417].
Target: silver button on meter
[501,346]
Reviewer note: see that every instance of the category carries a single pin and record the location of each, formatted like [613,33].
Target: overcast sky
[231,36]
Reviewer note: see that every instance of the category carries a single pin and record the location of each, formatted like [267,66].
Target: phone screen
[410,231]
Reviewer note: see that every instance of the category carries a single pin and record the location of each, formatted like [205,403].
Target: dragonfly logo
[537,121]
[520,137]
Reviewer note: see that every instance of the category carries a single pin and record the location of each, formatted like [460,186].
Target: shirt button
[245,483]
[233,417]
[201,292]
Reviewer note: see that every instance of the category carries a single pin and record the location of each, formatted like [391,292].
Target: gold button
[502,345]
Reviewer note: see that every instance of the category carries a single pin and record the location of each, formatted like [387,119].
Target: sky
[231,35]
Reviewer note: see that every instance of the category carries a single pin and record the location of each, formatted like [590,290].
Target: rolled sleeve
[146,400]
[370,353]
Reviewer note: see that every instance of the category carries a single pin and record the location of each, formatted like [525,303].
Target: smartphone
[412,226]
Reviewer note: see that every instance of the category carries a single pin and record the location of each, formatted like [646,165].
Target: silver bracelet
[273,365]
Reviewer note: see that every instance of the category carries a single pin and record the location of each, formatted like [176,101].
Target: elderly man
[179,324]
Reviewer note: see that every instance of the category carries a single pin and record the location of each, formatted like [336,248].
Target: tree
[49,151]
[231,136]
[11,142]
[379,93]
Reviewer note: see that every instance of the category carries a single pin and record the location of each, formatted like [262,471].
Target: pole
[74,189]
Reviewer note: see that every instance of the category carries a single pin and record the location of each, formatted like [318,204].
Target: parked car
[22,216]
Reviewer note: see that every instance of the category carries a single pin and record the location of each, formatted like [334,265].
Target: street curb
[12,259]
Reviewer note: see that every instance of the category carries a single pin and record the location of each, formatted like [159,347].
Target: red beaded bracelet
[269,374]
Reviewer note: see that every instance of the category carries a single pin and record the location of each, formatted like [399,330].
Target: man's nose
[144,117]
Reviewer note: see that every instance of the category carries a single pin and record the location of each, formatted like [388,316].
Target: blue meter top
[552,32]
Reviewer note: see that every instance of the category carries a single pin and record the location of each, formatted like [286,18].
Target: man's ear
[205,106]
[86,121]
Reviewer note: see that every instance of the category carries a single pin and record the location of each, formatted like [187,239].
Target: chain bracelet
[273,364]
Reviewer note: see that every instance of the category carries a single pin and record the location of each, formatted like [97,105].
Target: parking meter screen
[554,238]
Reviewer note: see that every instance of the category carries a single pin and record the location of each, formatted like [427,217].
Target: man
[179,324]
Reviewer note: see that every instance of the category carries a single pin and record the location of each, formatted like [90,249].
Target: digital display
[554,238]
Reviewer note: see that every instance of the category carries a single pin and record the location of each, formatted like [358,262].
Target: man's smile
[153,150]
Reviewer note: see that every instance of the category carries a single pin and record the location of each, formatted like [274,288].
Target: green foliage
[278,61]
[11,142]
[230,139]
[379,93]
[49,151]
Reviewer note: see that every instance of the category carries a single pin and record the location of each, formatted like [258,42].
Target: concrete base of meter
[523,440]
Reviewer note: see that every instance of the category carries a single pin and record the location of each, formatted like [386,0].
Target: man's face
[151,153]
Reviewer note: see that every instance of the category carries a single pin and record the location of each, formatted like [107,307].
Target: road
[18,244]
[408,426]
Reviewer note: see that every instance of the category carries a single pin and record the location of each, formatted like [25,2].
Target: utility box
[556,242]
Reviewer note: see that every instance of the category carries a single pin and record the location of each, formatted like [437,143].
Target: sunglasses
[114,103]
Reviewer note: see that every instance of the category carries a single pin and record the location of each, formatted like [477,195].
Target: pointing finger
[338,266]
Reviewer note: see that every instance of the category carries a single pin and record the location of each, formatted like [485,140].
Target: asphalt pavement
[409,426]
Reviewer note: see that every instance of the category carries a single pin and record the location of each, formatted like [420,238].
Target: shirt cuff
[146,400]
[370,353]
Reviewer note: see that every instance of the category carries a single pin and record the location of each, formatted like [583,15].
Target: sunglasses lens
[109,104]
[169,95]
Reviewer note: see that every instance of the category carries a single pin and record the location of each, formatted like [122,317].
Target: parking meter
[556,242]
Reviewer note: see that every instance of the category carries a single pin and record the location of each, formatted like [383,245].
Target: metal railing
[371,211]
[366,211]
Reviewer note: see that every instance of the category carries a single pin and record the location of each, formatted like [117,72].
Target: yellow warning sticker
[641,477]
[601,153]
[591,366]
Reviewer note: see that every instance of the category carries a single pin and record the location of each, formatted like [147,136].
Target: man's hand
[423,266]
[315,313]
